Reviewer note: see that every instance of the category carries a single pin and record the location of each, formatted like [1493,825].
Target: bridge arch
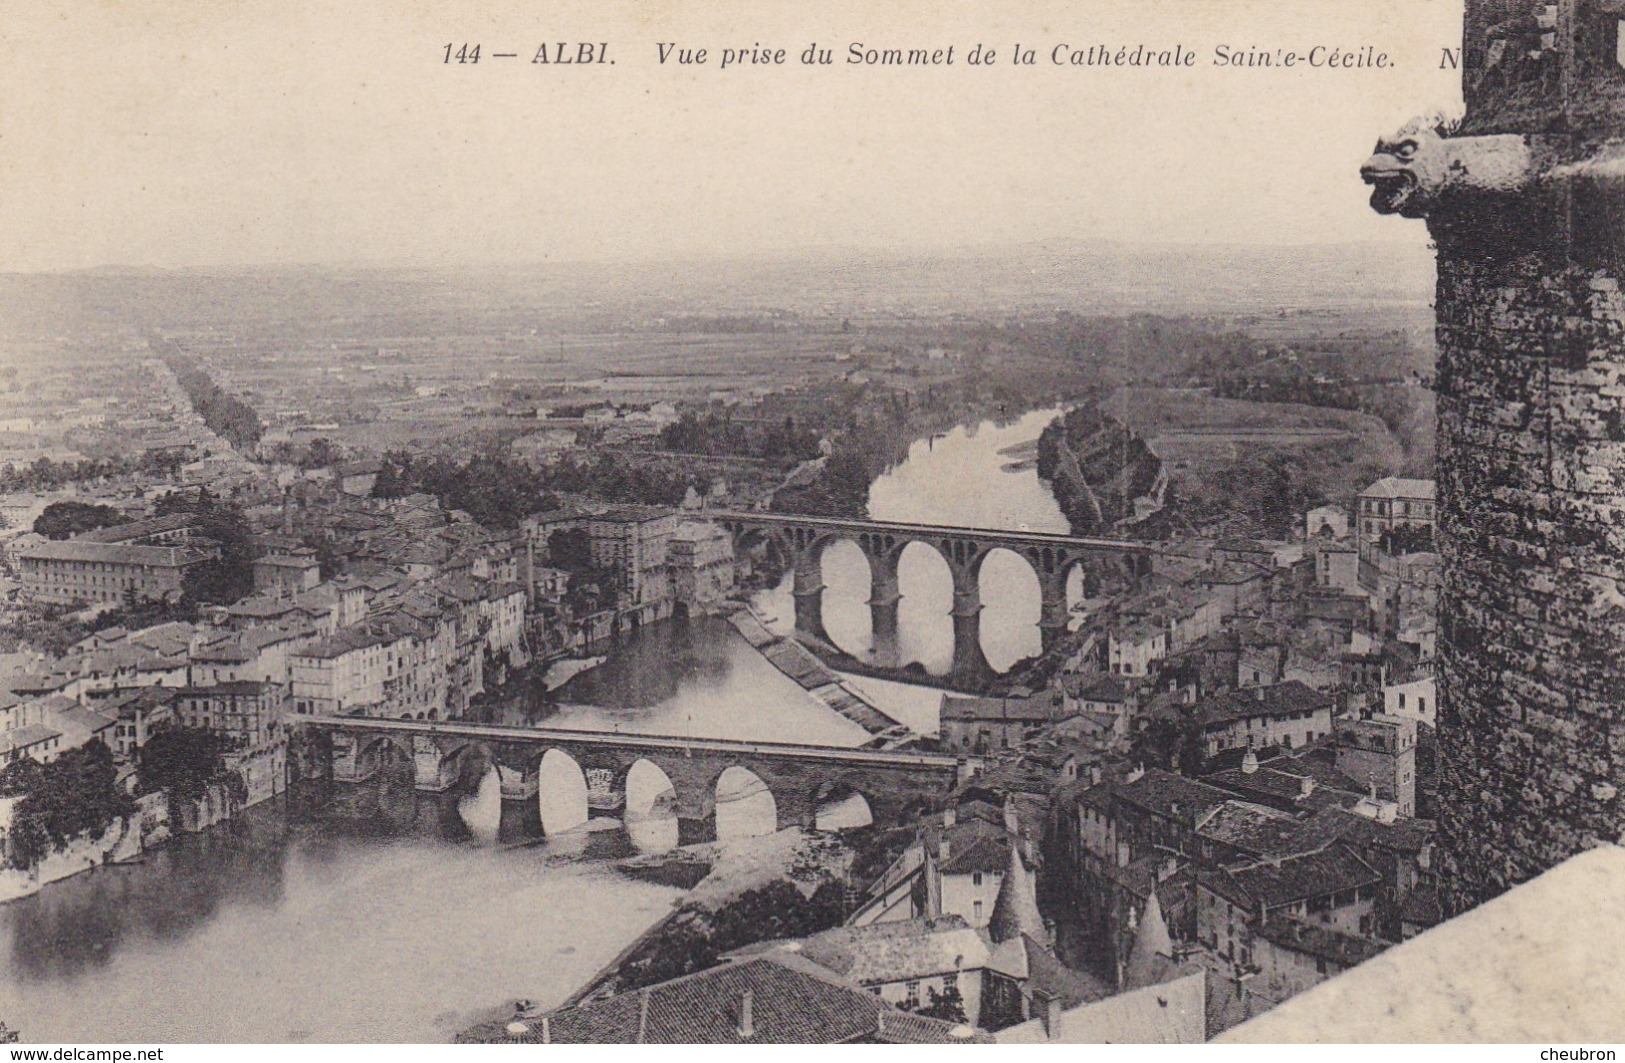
[649,814]
[745,805]
[847,573]
[924,616]
[840,804]
[383,756]
[1010,590]
[649,789]
[561,792]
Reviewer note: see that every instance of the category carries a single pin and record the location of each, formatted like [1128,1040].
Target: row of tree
[227,416]
[44,474]
[720,433]
[500,491]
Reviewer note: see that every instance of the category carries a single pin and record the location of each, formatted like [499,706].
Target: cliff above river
[1104,476]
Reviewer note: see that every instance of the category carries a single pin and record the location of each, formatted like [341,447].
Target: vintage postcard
[1088,521]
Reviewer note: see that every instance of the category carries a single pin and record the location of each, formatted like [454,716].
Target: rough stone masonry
[1525,200]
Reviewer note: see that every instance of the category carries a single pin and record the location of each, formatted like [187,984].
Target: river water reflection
[269,929]
[974,476]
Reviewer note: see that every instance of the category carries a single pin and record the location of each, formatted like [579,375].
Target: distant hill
[1083,277]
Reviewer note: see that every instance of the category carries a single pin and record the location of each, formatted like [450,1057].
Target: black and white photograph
[546,523]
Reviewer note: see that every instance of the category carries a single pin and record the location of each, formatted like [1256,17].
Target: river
[273,928]
[972,476]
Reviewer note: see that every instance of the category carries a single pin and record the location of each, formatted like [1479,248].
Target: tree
[183,761]
[1171,745]
[21,777]
[321,453]
[948,1005]
[74,795]
[28,842]
[229,577]
[63,520]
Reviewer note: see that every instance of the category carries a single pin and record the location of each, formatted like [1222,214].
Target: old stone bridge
[799,777]
[802,540]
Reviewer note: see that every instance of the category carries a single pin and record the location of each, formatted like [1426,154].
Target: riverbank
[789,883]
[817,679]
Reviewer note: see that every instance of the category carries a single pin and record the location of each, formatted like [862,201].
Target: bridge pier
[796,806]
[808,591]
[347,761]
[885,595]
[1053,616]
[970,664]
[430,766]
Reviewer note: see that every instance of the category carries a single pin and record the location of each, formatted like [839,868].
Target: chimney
[1306,786]
[950,816]
[1249,763]
[747,1028]
[1094,775]
[547,1031]
[1052,1016]
[942,850]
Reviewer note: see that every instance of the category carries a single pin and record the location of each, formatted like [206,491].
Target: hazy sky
[241,131]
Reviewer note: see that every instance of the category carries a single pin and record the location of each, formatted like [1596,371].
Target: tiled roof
[1264,831]
[1537,965]
[112,553]
[1170,795]
[1322,942]
[896,952]
[137,529]
[793,1001]
[1278,882]
[976,845]
[1282,699]
[28,735]
[1171,1012]
[1001,709]
[1400,487]
[1422,907]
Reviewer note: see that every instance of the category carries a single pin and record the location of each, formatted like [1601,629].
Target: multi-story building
[1380,751]
[983,725]
[1287,714]
[76,570]
[1331,888]
[702,563]
[286,575]
[140,715]
[393,665]
[1413,696]
[249,712]
[1132,647]
[634,542]
[1391,503]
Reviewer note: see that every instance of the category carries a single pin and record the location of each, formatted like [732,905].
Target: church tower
[1525,200]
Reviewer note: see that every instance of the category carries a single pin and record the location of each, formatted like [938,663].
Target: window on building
[950,982]
[976,912]
[911,993]
[976,878]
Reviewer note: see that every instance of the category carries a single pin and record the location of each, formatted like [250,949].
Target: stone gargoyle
[1419,167]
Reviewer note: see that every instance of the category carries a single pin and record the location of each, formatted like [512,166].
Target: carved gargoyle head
[1407,170]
